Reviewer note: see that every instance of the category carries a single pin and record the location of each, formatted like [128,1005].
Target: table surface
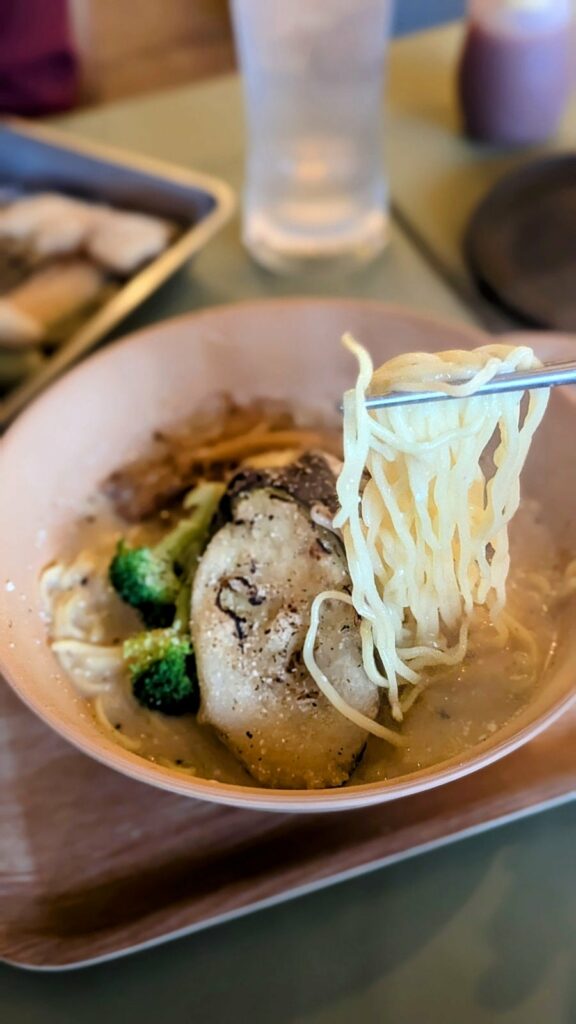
[438,176]
[478,932]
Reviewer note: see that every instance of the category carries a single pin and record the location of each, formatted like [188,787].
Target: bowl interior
[103,413]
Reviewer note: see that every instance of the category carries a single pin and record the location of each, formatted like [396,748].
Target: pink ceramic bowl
[103,412]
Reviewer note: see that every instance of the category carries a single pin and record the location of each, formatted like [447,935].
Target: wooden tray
[93,865]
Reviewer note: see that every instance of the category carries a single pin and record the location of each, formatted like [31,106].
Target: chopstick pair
[551,376]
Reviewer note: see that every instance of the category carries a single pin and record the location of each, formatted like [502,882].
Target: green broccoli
[157,581]
[163,671]
[146,580]
[150,579]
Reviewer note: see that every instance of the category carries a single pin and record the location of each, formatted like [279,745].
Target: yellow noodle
[264,440]
[324,683]
[424,513]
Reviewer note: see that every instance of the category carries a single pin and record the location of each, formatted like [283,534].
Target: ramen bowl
[104,412]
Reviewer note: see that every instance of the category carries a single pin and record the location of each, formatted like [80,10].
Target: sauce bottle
[516,69]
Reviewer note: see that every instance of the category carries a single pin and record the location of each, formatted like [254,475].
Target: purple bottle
[516,69]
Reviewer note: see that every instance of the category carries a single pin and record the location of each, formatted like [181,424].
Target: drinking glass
[315,189]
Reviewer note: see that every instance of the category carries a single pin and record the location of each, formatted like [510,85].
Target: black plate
[521,242]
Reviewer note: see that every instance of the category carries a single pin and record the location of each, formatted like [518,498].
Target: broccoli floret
[157,581]
[163,671]
[150,579]
[147,581]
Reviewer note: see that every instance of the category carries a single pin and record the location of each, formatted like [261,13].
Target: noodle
[260,440]
[217,439]
[324,683]
[426,494]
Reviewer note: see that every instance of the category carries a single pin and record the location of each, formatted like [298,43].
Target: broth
[459,708]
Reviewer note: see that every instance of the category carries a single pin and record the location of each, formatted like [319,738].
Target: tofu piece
[250,613]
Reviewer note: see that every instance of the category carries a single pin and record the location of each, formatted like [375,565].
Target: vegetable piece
[150,579]
[158,582]
[146,579]
[163,671]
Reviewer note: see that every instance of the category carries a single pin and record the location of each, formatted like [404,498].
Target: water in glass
[315,188]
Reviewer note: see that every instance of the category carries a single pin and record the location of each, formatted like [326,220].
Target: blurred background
[64,53]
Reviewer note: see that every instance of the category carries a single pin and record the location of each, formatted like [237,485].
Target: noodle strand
[426,494]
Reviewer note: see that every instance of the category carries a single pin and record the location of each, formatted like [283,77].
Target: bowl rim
[255,797]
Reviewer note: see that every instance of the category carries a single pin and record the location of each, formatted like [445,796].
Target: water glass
[315,189]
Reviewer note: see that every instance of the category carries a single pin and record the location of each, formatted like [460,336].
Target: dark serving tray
[35,157]
[94,865]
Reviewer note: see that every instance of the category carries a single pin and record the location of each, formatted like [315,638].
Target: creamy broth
[457,710]
[464,706]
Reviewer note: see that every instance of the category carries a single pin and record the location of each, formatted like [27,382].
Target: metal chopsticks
[550,376]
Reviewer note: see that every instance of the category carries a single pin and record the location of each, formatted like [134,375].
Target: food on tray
[61,257]
[273,599]
[122,242]
[48,296]
[55,225]
[48,224]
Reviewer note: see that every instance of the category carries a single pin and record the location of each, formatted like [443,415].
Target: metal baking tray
[37,158]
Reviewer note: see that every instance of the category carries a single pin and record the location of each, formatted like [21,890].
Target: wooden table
[479,932]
